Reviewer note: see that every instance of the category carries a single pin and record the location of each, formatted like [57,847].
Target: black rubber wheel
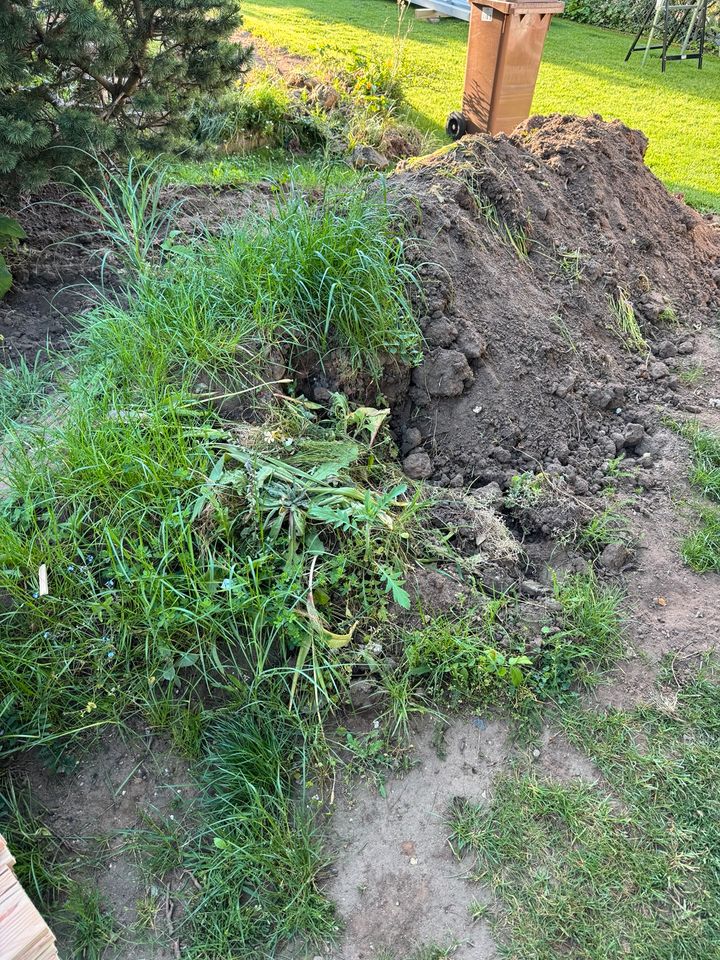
[456,126]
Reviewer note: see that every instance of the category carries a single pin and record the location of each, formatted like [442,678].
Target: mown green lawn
[583,72]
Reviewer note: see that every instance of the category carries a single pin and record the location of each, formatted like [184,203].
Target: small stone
[666,349]
[614,557]
[610,394]
[633,434]
[326,96]
[321,394]
[411,438]
[532,589]
[581,486]
[658,370]
[687,346]
[368,158]
[472,344]
[444,373]
[418,465]
[441,333]
[500,454]
[361,694]
[491,493]
[562,452]
[563,387]
[536,754]
[652,305]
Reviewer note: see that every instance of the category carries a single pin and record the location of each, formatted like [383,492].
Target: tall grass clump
[299,279]
[185,552]
[22,388]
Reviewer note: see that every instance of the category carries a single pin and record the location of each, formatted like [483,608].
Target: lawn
[583,72]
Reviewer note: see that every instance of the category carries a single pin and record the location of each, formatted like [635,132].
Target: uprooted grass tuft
[625,323]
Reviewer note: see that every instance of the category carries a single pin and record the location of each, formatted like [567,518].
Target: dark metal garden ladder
[671,18]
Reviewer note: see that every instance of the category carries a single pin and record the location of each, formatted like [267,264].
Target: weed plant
[180,549]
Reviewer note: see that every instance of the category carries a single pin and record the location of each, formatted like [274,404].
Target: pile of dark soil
[52,272]
[524,370]
[60,269]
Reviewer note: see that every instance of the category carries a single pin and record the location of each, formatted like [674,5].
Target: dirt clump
[562,287]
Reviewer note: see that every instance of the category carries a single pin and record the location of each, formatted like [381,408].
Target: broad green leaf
[11,228]
[5,277]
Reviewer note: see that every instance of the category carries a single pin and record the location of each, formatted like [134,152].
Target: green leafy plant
[525,490]
[10,233]
[455,655]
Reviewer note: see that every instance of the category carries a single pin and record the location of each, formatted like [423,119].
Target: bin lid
[522,6]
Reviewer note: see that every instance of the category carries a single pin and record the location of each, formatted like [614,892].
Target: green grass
[199,554]
[182,550]
[262,166]
[251,843]
[583,72]
[606,527]
[629,867]
[22,388]
[701,549]
[46,868]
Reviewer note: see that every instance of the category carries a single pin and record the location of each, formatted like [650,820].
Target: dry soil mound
[524,369]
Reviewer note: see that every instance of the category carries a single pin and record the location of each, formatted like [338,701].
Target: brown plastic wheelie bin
[505,45]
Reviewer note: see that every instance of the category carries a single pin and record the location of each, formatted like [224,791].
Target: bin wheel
[456,126]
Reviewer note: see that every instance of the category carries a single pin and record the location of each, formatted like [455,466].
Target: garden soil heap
[528,245]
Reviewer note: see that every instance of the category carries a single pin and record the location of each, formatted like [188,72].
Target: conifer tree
[90,75]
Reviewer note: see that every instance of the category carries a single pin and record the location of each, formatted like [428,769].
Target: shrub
[262,113]
[85,75]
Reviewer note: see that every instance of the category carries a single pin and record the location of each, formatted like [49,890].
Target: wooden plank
[426,13]
[24,935]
